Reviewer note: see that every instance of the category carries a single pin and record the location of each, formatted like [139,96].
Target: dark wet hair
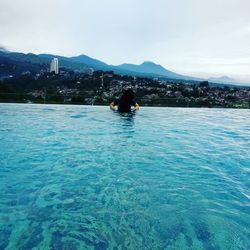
[127,97]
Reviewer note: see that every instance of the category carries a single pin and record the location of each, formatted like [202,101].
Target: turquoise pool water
[83,177]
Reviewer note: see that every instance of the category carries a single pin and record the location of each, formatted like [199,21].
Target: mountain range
[32,61]
[147,68]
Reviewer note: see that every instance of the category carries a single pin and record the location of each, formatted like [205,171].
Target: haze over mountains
[83,63]
[222,79]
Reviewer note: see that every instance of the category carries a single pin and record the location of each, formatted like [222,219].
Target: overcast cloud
[194,37]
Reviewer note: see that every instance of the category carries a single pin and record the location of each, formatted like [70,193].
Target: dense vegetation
[101,87]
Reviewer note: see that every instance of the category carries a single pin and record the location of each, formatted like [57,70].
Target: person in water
[125,102]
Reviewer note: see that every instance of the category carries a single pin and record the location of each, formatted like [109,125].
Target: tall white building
[54,66]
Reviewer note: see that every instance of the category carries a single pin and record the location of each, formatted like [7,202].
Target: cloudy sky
[194,37]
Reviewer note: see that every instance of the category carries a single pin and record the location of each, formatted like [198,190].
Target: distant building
[54,66]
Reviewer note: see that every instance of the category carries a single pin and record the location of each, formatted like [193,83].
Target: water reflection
[127,122]
[127,118]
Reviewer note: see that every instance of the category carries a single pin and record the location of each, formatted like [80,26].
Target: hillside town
[101,87]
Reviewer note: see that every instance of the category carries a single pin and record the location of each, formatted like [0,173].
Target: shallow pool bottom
[83,177]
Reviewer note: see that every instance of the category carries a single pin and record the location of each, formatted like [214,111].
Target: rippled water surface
[82,177]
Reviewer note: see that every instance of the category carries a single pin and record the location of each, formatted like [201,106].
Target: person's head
[127,96]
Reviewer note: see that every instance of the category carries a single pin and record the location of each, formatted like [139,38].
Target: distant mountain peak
[2,49]
[222,79]
[149,62]
[82,56]
[226,78]
[153,66]
[88,60]
[152,69]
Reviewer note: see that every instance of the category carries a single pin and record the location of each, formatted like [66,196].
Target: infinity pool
[83,177]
